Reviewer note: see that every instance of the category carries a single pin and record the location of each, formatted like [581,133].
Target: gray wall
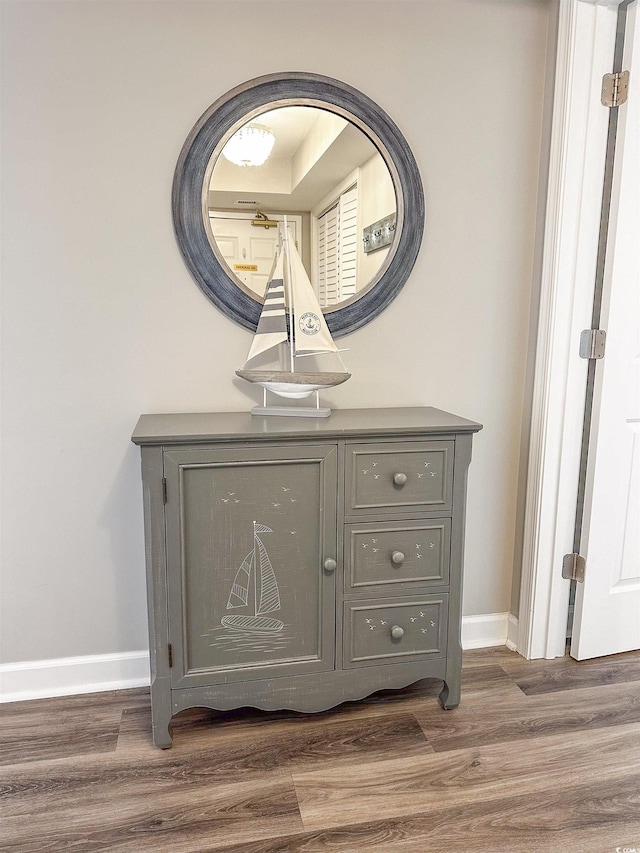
[101,320]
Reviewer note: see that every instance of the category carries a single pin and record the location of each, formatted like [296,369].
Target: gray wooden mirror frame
[195,164]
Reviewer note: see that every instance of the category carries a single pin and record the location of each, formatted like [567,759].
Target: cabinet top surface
[231,426]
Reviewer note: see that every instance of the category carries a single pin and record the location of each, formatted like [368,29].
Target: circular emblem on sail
[309,323]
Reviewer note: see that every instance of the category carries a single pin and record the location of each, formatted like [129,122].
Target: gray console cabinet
[300,564]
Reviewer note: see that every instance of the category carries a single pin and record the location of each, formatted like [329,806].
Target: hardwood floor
[541,756]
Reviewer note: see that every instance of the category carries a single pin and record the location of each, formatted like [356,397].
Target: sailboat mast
[292,324]
[255,572]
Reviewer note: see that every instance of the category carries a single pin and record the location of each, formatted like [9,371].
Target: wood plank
[492,656]
[552,676]
[452,779]
[261,744]
[68,725]
[220,756]
[512,719]
[181,820]
[589,819]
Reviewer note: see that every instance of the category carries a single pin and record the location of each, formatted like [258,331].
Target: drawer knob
[400,479]
[397,632]
[330,565]
[397,557]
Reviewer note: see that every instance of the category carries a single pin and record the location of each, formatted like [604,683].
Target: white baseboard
[41,679]
[490,629]
[68,676]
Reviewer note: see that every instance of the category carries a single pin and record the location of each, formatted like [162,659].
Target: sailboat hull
[295,386]
[259,624]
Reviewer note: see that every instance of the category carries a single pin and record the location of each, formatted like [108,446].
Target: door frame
[585,48]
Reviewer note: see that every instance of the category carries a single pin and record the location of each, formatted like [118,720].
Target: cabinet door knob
[397,557]
[397,632]
[330,565]
[399,479]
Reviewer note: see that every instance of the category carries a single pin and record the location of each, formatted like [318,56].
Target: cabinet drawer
[399,476]
[388,555]
[383,630]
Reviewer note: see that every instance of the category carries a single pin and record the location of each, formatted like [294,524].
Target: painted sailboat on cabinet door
[255,575]
[306,333]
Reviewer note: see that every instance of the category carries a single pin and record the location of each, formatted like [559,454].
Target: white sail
[272,325]
[311,332]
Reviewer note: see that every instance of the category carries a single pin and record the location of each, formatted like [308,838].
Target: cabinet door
[248,533]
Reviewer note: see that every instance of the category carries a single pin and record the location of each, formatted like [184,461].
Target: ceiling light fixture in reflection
[250,146]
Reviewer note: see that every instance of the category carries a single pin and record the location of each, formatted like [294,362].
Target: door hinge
[592,343]
[170,651]
[573,567]
[164,490]
[615,88]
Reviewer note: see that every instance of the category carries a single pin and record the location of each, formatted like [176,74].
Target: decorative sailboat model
[255,572]
[306,334]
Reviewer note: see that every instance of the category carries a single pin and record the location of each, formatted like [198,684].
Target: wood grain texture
[56,728]
[567,673]
[507,772]
[179,819]
[448,780]
[583,819]
[510,719]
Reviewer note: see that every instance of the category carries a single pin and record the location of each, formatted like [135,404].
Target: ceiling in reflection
[315,150]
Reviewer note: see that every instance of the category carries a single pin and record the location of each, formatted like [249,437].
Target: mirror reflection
[330,181]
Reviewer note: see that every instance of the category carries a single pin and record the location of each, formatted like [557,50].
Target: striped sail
[272,325]
[239,594]
[269,593]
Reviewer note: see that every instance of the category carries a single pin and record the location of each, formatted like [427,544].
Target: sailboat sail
[269,594]
[239,594]
[307,332]
[264,581]
[311,333]
[272,325]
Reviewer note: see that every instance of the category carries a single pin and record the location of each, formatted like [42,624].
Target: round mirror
[321,154]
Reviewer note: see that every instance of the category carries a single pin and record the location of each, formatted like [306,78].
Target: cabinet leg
[162,736]
[450,696]
[161,712]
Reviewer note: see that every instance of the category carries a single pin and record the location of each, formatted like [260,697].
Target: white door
[607,606]
[247,249]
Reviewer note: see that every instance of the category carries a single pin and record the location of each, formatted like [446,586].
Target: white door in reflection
[249,250]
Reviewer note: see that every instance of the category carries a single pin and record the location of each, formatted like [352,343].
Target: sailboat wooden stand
[306,334]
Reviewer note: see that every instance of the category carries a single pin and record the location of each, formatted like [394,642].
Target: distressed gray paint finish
[387,556]
[418,422]
[262,572]
[399,477]
[382,630]
[247,537]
